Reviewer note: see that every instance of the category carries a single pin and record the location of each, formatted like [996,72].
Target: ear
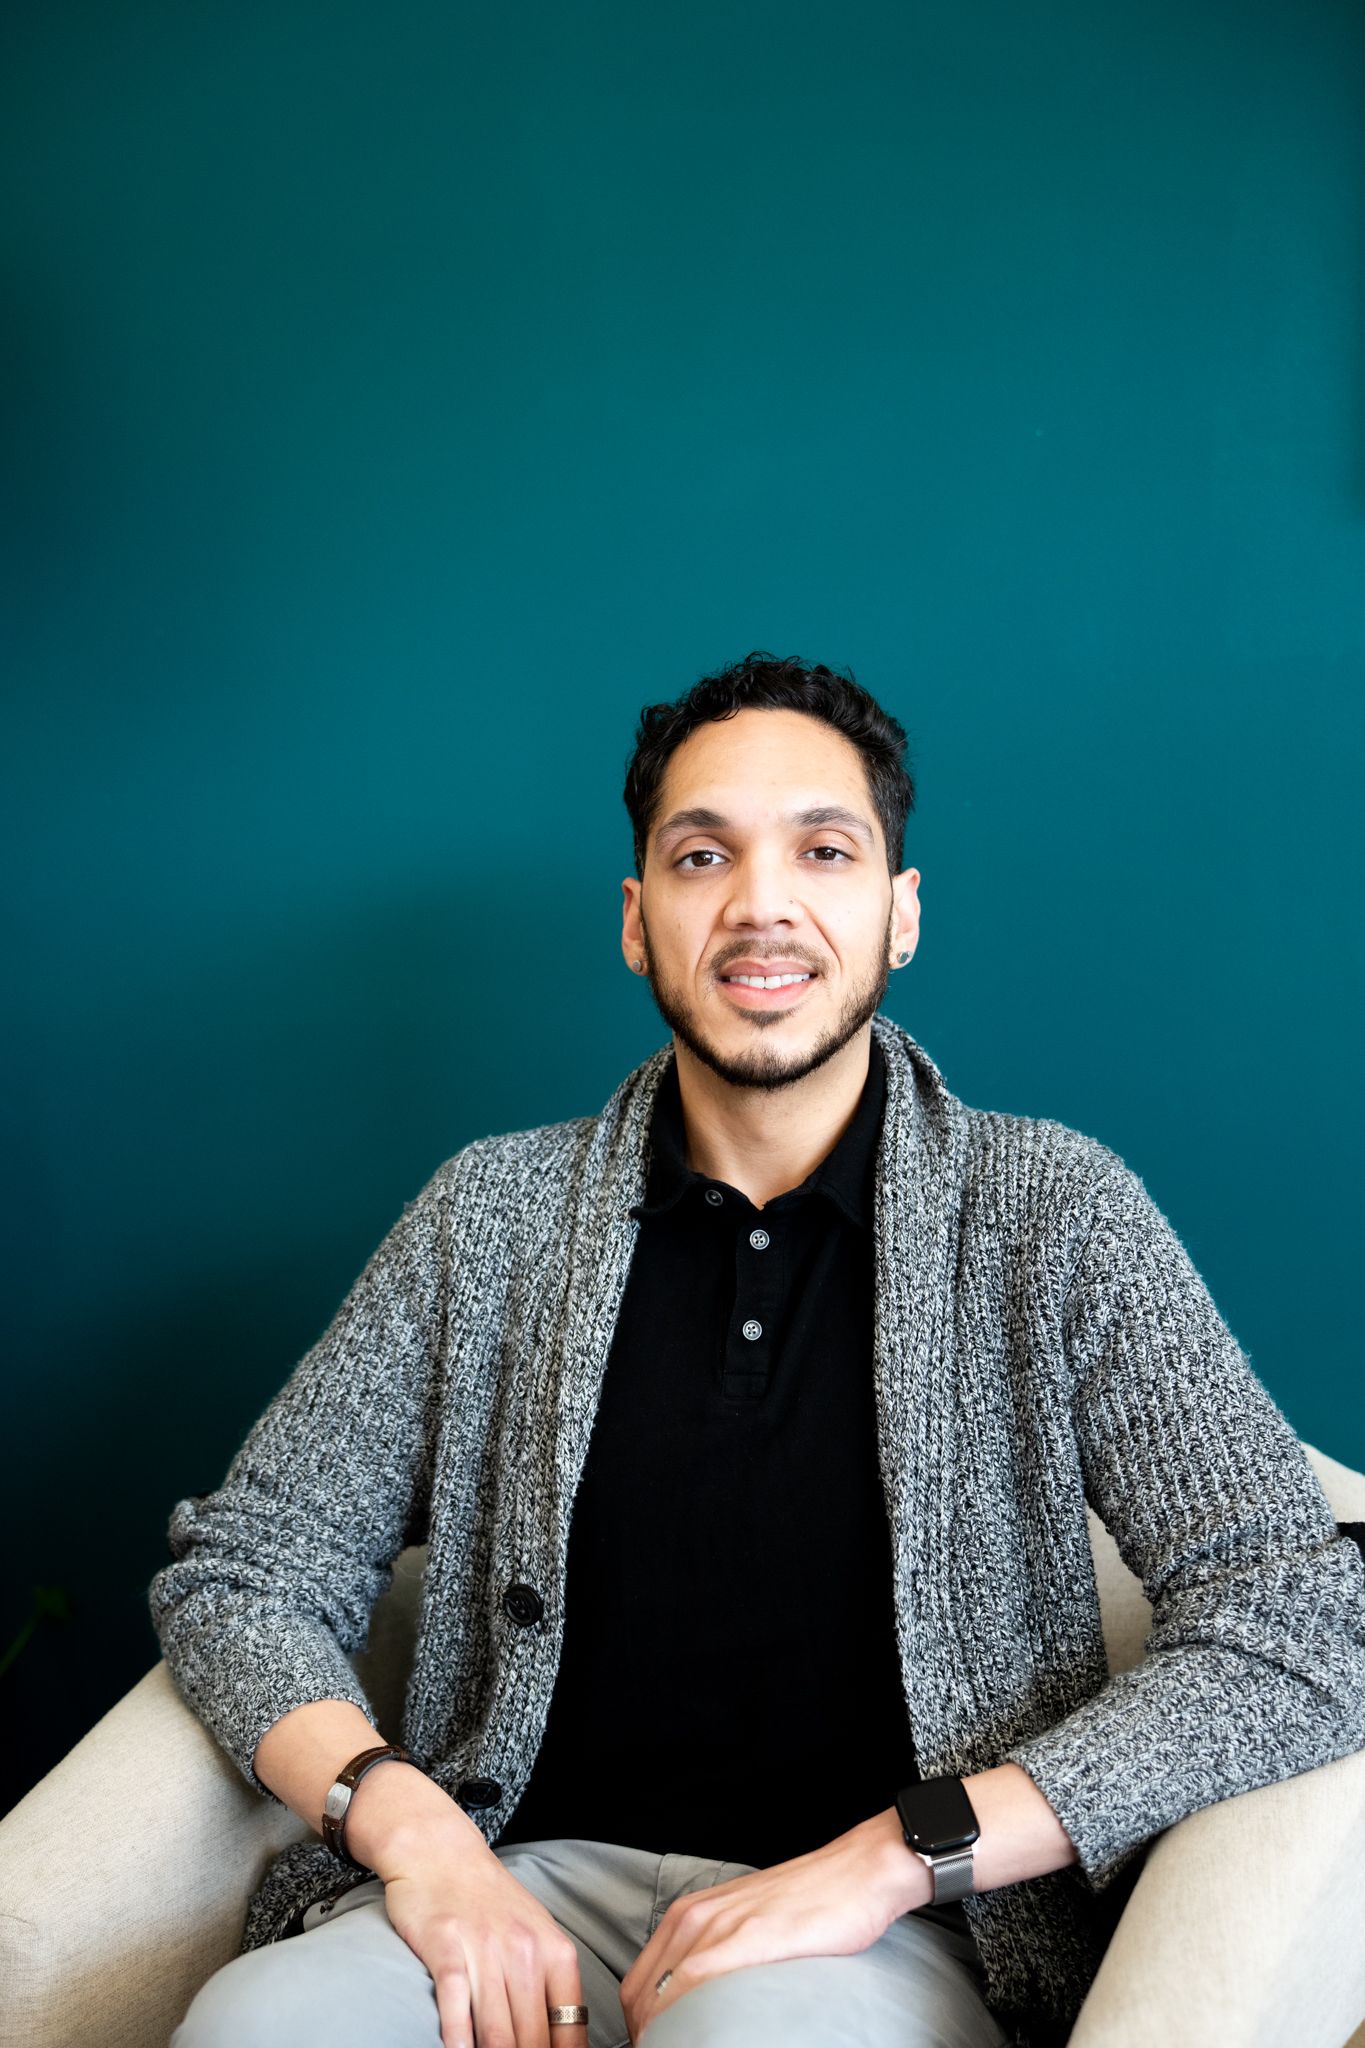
[904,914]
[632,933]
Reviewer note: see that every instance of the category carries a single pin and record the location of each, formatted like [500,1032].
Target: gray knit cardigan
[1042,1339]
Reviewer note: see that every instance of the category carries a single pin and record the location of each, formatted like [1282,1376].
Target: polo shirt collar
[845,1177]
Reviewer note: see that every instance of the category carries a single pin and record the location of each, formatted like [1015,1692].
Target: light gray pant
[350,1981]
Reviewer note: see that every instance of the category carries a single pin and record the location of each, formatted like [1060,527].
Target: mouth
[752,991]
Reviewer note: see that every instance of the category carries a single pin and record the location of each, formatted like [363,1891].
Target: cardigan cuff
[1103,1839]
[273,1670]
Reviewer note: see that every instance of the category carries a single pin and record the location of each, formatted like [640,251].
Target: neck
[764,1141]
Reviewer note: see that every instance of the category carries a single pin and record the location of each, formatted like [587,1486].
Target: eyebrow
[700,819]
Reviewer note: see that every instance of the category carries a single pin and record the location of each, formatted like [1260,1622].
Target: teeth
[766,981]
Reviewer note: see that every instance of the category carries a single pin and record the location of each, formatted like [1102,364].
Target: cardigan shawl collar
[920,1167]
[920,1171]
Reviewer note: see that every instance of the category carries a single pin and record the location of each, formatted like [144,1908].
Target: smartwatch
[940,1826]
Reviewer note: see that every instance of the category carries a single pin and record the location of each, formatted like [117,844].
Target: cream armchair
[124,1875]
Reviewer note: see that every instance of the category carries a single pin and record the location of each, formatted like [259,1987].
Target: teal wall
[394,401]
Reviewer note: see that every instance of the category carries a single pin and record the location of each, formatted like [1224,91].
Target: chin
[773,1063]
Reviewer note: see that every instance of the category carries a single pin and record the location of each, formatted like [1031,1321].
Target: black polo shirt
[729,1683]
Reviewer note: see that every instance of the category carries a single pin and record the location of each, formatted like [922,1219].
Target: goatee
[761,1067]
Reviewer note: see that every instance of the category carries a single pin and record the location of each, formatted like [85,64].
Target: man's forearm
[1020,1837]
[394,1807]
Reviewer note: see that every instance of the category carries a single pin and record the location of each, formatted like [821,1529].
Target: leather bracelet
[338,1801]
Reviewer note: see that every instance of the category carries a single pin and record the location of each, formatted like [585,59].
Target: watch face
[937,1816]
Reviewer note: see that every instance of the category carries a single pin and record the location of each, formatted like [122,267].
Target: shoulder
[498,1204]
[1038,1150]
[512,1165]
[1041,1174]
[1014,1172]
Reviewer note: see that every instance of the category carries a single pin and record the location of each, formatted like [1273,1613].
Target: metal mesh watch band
[338,1801]
[952,1876]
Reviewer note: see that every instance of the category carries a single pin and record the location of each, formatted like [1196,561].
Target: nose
[760,892]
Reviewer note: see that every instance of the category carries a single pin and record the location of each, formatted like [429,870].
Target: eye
[709,855]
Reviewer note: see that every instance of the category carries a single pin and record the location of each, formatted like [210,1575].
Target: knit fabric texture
[1042,1340]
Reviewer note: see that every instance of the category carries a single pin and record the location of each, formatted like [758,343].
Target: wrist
[398,1815]
[942,1828]
[900,1875]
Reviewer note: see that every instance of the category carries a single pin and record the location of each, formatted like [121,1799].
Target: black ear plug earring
[901,959]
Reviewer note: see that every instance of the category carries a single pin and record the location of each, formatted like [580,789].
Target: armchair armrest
[124,1875]
[1244,1929]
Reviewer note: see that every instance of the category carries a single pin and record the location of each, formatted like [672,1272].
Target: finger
[703,1961]
[650,1957]
[564,1986]
[649,2003]
[493,2026]
[641,2001]
[453,2007]
[524,1978]
[672,1939]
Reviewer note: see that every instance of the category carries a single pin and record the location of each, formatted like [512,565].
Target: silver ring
[567,2015]
[662,1981]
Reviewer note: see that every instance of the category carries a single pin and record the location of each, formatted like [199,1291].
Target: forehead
[764,760]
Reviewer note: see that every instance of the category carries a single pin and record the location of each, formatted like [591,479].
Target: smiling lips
[753,989]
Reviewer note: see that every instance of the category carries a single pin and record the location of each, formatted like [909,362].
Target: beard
[765,1067]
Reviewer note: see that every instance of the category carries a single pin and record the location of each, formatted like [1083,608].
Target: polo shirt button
[760,1240]
[753,1331]
[479,1792]
[714,1197]
[524,1604]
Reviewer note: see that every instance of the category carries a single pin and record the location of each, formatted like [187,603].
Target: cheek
[853,943]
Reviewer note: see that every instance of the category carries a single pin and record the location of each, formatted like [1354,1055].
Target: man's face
[767,857]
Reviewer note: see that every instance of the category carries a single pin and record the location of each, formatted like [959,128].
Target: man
[751,1425]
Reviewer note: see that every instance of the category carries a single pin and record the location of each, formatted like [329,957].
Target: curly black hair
[770,683]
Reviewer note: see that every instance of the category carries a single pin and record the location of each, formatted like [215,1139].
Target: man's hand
[497,1957]
[834,1901]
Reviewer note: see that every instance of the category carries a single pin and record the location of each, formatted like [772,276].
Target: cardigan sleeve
[1254,1667]
[274,1575]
